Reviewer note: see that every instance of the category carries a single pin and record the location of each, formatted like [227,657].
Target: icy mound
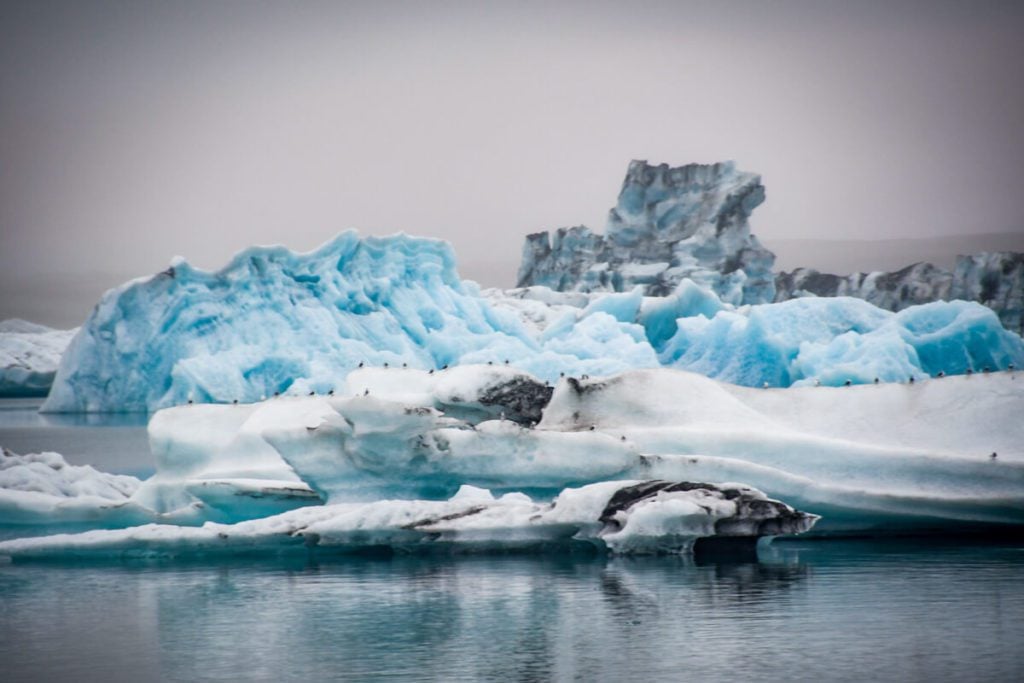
[867,458]
[41,488]
[832,341]
[29,355]
[273,320]
[806,341]
[669,224]
[622,517]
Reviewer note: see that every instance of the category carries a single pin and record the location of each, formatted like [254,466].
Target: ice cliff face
[669,224]
[993,279]
[29,355]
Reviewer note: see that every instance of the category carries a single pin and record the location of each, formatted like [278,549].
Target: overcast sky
[134,131]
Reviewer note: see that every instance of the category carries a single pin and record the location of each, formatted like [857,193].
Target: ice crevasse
[274,321]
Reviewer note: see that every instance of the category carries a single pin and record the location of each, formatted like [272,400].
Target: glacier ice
[453,459]
[29,355]
[625,517]
[870,457]
[691,222]
[274,322]
[841,339]
[669,224]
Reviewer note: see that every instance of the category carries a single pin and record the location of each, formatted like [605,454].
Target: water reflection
[824,610]
[111,442]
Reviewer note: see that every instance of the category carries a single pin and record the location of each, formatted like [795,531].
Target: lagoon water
[892,610]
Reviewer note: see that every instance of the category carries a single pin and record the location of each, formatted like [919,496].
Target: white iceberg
[29,356]
[887,457]
[626,517]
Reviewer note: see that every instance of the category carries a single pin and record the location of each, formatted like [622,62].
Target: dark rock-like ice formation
[993,279]
[669,224]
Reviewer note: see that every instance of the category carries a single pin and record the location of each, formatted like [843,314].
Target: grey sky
[134,131]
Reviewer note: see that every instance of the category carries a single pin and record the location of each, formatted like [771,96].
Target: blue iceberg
[275,322]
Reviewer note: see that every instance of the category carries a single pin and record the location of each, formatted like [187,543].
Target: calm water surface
[812,610]
[109,442]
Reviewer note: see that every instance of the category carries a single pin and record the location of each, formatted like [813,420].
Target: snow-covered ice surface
[627,517]
[29,355]
[887,457]
[43,489]
[401,457]
[276,321]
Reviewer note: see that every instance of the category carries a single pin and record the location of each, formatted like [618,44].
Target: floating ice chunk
[622,517]
[866,457]
[29,356]
[42,488]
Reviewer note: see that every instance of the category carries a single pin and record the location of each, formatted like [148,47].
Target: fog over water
[134,131]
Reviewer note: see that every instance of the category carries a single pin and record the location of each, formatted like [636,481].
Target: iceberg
[43,489]
[622,517]
[669,224]
[276,322]
[870,458]
[29,355]
[454,460]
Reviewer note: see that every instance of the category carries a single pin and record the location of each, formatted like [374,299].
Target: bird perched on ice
[847,383]
[430,371]
[366,392]
[994,455]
